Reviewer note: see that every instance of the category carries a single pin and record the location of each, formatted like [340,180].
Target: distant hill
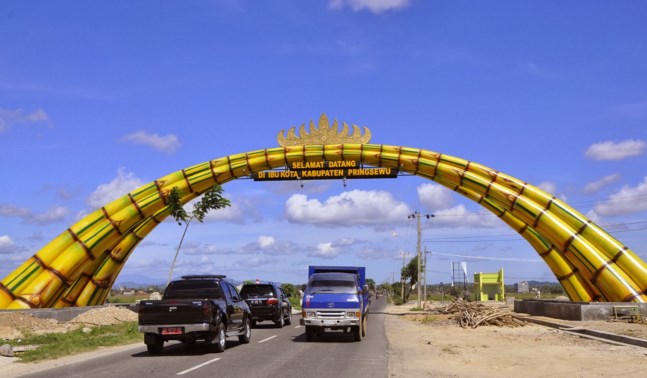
[133,281]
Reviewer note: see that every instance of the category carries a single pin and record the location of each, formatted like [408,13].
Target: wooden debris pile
[474,314]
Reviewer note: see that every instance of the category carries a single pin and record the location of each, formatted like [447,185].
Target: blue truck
[336,299]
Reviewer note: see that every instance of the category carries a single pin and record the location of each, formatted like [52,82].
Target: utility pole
[404,255]
[424,272]
[416,215]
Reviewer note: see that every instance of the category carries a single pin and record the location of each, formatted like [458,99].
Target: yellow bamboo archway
[79,266]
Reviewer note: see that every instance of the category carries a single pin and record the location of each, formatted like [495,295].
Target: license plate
[329,322]
[172,331]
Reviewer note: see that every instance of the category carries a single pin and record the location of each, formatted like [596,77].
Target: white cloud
[53,215]
[121,185]
[205,249]
[628,200]
[238,212]
[356,207]
[548,187]
[372,253]
[375,6]
[13,211]
[595,186]
[269,245]
[168,144]
[616,150]
[7,246]
[266,241]
[551,188]
[345,242]
[325,250]
[592,215]
[435,197]
[254,261]
[459,216]
[11,117]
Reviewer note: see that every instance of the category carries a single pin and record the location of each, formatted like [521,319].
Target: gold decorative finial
[324,134]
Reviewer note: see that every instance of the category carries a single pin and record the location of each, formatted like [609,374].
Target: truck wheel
[310,333]
[221,339]
[357,333]
[364,320]
[247,332]
[288,321]
[280,322]
[156,347]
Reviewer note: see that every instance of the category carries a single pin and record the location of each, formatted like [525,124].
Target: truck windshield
[192,289]
[338,285]
[256,291]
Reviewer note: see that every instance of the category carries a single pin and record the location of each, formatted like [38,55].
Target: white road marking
[297,327]
[269,338]
[198,366]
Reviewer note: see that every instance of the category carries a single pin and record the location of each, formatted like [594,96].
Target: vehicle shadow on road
[182,350]
[331,337]
[267,325]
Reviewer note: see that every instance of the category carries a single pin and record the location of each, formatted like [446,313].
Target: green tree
[212,199]
[289,289]
[410,272]
[371,283]
[386,287]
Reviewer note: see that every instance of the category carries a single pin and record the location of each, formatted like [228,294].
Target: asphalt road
[272,352]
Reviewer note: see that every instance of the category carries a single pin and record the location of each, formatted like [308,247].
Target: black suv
[267,301]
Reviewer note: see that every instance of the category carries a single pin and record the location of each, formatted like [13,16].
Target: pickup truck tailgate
[174,312]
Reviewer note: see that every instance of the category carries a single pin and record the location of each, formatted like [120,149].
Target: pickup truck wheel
[221,339]
[247,332]
[280,322]
[364,325]
[288,321]
[156,347]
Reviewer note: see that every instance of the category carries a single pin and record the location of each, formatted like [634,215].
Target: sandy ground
[441,348]
[435,347]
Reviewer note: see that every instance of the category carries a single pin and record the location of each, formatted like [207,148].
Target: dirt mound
[105,316]
[17,324]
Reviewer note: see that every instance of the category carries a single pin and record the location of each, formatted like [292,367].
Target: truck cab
[336,299]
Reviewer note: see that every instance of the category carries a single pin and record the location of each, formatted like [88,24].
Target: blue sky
[98,98]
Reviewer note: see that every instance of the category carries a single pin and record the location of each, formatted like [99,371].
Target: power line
[513,259]
[624,200]
[480,238]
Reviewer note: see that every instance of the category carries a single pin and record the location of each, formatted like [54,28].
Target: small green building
[489,286]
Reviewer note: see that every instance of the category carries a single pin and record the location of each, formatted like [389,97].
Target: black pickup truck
[205,307]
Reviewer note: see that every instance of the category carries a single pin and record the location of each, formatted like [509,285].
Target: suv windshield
[336,284]
[257,291]
[186,289]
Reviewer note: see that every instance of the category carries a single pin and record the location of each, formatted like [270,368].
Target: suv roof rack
[204,277]
[264,283]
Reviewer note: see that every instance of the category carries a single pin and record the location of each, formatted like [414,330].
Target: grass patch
[296,303]
[56,345]
[396,300]
[428,319]
[127,298]
[415,309]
